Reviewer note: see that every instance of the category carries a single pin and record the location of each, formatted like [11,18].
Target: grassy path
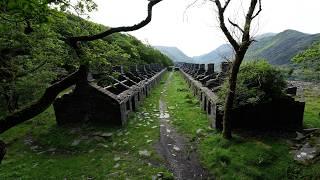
[175,148]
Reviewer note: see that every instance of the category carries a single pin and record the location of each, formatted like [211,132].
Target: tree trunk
[240,49]
[228,106]
[44,102]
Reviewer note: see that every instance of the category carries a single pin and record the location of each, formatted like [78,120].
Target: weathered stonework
[281,114]
[111,104]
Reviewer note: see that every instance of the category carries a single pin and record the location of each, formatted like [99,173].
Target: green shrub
[258,82]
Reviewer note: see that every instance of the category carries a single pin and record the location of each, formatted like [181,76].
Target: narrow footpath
[174,148]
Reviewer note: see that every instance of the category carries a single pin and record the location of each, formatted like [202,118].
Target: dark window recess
[209,108]
[133,103]
[128,105]
[205,103]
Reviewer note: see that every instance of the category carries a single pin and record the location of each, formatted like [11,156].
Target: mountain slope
[278,48]
[223,52]
[281,48]
[216,56]
[175,54]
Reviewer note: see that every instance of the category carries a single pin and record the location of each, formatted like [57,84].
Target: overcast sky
[195,30]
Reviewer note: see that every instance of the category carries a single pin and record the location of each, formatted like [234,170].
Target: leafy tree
[38,11]
[79,48]
[28,46]
[24,58]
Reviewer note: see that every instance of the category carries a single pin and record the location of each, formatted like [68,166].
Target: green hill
[278,49]
[29,62]
[281,48]
[216,56]
[174,53]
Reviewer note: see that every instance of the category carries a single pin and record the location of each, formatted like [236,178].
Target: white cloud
[197,32]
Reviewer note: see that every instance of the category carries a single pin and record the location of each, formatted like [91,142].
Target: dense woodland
[31,61]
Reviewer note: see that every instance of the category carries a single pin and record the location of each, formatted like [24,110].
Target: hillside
[175,54]
[223,52]
[278,48]
[216,56]
[281,48]
[48,58]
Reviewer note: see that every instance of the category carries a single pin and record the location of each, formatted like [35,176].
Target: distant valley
[174,53]
[277,48]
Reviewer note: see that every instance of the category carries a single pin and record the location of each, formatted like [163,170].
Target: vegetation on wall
[258,82]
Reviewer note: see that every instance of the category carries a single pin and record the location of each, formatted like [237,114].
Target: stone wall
[111,104]
[280,114]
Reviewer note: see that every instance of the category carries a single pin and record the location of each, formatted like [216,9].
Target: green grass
[185,109]
[50,154]
[312,108]
[241,158]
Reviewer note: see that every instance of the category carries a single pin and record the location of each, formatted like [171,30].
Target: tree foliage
[30,62]
[258,82]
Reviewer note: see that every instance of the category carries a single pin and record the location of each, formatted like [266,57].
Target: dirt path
[175,148]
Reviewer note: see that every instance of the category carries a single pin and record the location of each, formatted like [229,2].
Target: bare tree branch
[258,12]
[226,4]
[246,41]
[236,25]
[223,27]
[189,6]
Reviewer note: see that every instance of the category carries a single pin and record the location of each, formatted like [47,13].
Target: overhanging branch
[73,40]
[43,103]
